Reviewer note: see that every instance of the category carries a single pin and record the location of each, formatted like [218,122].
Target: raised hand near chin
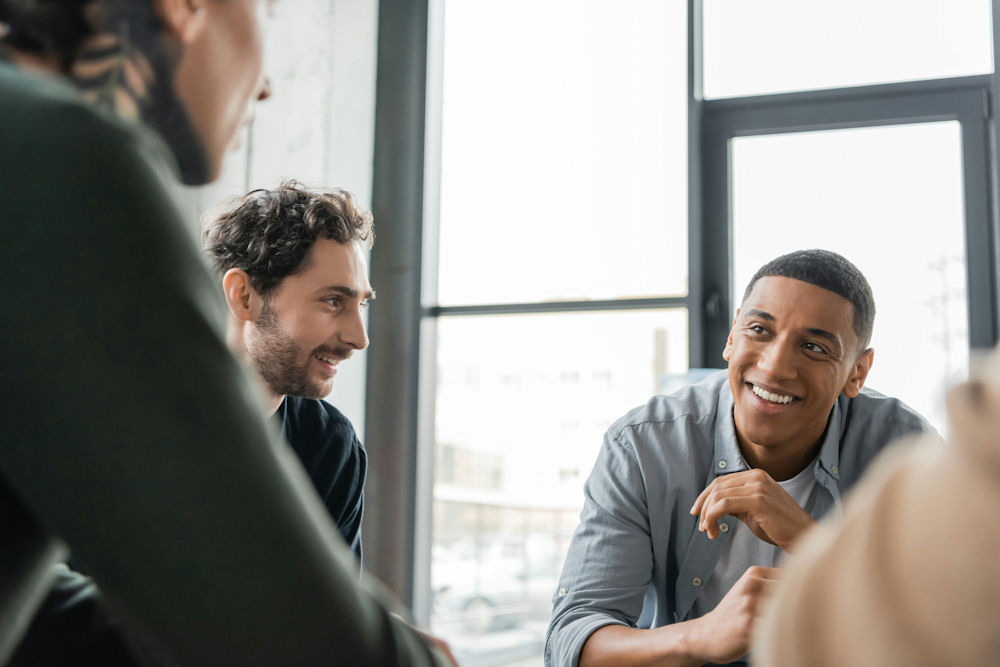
[757,500]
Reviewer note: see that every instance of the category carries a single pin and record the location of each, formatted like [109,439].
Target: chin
[765,437]
[318,391]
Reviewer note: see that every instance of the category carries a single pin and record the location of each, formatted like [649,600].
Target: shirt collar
[726,457]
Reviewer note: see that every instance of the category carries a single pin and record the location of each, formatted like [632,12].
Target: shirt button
[677,616]
[833,469]
[696,581]
[722,464]
[724,527]
[562,591]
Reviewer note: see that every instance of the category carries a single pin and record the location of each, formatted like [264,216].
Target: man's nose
[265,89]
[354,333]
[777,360]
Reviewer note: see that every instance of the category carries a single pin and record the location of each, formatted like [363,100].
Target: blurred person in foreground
[695,496]
[910,574]
[132,436]
[294,274]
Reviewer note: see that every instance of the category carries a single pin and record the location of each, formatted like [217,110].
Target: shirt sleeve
[134,435]
[610,559]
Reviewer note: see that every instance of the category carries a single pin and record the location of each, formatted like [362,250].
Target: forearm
[670,645]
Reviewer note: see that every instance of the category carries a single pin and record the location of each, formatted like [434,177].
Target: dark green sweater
[131,434]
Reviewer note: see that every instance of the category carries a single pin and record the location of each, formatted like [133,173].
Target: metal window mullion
[543,307]
[698,320]
[981,286]
[393,361]
[993,133]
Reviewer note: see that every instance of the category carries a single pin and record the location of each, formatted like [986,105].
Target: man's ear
[727,351]
[859,373]
[183,19]
[240,295]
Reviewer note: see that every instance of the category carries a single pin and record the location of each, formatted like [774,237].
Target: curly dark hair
[830,271]
[46,26]
[268,233]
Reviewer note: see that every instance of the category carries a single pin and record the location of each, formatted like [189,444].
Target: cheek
[244,57]
[311,332]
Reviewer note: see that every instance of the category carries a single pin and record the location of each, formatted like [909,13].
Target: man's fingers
[725,482]
[761,581]
[720,506]
[696,508]
[758,578]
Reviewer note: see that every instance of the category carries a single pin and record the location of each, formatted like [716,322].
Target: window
[561,284]
[870,194]
[754,47]
[563,152]
[588,229]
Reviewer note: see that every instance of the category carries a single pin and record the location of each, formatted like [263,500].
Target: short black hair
[830,271]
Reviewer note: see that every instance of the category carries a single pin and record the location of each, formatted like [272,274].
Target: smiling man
[295,277]
[695,495]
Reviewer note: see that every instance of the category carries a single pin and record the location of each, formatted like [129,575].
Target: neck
[33,61]
[781,462]
[236,332]
[273,400]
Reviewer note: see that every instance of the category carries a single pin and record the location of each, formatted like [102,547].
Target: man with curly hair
[295,277]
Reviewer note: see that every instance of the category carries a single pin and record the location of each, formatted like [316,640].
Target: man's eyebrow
[350,291]
[758,313]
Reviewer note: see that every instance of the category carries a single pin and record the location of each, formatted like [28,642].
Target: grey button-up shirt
[637,542]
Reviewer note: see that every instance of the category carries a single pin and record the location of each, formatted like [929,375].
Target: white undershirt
[746,549]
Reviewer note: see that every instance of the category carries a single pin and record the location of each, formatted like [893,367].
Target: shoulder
[320,423]
[67,146]
[696,402]
[690,411]
[869,423]
[93,197]
[875,411]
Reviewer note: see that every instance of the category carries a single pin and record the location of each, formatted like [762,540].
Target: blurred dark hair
[830,271]
[47,27]
[268,233]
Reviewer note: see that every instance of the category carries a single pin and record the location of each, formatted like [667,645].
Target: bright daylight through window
[563,179]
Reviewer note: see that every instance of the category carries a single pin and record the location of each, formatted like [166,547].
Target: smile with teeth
[772,398]
[327,360]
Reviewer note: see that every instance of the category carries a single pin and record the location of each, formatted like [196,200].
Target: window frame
[406,171]
[962,99]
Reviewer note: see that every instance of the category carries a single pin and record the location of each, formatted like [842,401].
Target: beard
[284,364]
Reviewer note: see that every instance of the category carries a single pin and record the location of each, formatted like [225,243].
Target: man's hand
[723,634]
[756,500]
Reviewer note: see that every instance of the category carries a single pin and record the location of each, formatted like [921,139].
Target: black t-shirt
[326,444]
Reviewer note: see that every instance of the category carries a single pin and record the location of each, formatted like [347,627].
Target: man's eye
[757,329]
[333,302]
[813,347]
[365,303]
